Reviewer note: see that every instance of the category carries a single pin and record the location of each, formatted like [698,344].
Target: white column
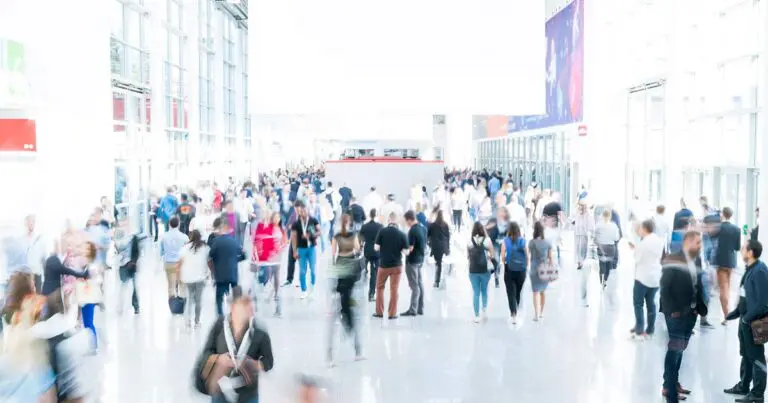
[459,141]
[157,55]
[763,127]
[67,63]
[191,26]
[218,95]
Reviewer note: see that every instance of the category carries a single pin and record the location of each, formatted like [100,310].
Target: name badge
[742,292]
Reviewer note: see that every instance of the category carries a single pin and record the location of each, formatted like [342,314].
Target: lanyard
[244,345]
[304,225]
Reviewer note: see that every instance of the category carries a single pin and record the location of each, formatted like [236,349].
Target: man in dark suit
[368,233]
[226,252]
[681,301]
[728,243]
[753,305]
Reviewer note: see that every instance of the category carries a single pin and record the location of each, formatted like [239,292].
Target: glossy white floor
[576,354]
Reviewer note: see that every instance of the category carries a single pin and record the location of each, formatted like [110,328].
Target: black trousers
[291,265]
[438,265]
[153,228]
[345,286]
[457,215]
[752,361]
[38,283]
[373,264]
[513,281]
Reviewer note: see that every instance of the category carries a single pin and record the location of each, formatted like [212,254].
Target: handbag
[87,292]
[547,271]
[760,330]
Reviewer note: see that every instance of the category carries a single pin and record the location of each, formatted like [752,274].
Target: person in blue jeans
[648,254]
[304,234]
[479,249]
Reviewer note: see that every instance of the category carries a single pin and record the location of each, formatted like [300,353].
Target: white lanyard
[304,225]
[244,346]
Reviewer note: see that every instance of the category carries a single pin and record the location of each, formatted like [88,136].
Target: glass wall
[712,90]
[542,159]
[156,37]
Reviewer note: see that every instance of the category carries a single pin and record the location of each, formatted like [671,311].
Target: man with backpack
[515,254]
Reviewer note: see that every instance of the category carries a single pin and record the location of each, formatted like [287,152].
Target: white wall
[69,73]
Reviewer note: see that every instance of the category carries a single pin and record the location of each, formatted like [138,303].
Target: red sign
[582,130]
[18,135]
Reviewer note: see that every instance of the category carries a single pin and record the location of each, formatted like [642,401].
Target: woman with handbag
[235,353]
[345,269]
[540,251]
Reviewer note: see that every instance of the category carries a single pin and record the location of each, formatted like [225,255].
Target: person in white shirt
[373,200]
[193,271]
[517,213]
[661,225]
[203,220]
[391,206]
[245,211]
[458,204]
[648,253]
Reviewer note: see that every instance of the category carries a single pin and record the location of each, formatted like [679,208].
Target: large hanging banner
[564,81]
[17,130]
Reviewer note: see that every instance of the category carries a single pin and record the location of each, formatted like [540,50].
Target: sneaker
[679,396]
[304,295]
[437,285]
[640,337]
[750,398]
[477,319]
[514,320]
[360,357]
[736,390]
[378,315]
[484,314]
[705,324]
[277,314]
[408,313]
[286,284]
[393,317]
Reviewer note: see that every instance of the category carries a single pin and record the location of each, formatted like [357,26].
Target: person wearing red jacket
[269,242]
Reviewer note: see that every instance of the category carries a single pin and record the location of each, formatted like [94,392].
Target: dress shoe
[736,390]
[408,313]
[750,398]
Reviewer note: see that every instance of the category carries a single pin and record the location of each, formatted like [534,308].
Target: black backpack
[478,259]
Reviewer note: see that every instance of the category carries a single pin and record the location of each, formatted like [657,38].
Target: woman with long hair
[193,270]
[540,251]
[516,261]
[480,252]
[269,241]
[345,269]
[439,240]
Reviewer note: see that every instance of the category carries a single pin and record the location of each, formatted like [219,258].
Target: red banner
[18,135]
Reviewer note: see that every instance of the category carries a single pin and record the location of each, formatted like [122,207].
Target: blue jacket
[754,304]
[167,208]
[225,254]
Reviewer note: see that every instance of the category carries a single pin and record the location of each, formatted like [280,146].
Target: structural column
[459,141]
[762,127]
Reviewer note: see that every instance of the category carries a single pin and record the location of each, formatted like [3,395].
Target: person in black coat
[227,338]
[368,233]
[728,243]
[53,270]
[681,301]
[439,240]
[753,305]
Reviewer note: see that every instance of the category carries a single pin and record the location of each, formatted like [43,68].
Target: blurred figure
[648,253]
[367,236]
[225,254]
[439,241]
[167,207]
[345,269]
[606,236]
[128,252]
[728,243]
[269,242]
[480,252]
[236,351]
[540,252]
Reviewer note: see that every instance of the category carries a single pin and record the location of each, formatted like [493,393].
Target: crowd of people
[505,233]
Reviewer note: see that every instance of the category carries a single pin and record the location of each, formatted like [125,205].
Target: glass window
[118,106]
[740,78]
[175,45]
[133,29]
[118,57]
[738,30]
[737,131]
[118,19]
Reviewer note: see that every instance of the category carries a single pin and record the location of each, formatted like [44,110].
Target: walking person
[269,242]
[753,305]
[540,252]
[345,267]
[368,233]
[304,236]
[728,243]
[607,235]
[413,263]
[648,254]
[170,250]
[224,255]
[193,270]
[681,299]
[127,246]
[516,260]
[390,243]
[439,239]
[480,253]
